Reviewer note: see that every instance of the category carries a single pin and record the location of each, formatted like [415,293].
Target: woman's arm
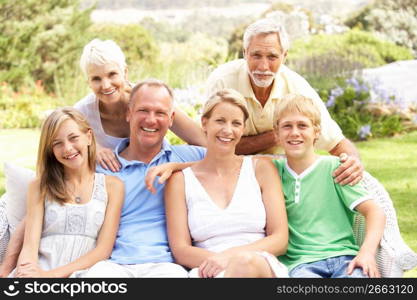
[106,236]
[187,129]
[375,223]
[177,223]
[33,227]
[276,239]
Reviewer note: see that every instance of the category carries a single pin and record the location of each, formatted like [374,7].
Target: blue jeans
[334,267]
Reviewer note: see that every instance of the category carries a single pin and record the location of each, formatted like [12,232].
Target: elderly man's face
[264,57]
[150,116]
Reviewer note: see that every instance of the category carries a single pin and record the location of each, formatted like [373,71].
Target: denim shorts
[334,267]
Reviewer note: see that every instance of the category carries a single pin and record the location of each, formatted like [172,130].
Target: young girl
[72,212]
[225,214]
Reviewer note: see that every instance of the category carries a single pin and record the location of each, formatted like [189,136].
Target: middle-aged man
[141,248]
[263,79]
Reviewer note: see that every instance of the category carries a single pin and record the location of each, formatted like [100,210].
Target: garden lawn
[393,161]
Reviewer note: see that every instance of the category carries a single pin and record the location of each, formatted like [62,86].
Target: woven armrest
[4,228]
[393,256]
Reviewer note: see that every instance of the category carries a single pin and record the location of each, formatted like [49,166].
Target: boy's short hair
[300,104]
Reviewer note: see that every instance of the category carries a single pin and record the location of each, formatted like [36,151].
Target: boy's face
[296,134]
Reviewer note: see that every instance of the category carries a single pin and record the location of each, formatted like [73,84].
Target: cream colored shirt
[235,75]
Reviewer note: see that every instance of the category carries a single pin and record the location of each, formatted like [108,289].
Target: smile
[109,93]
[71,156]
[295,142]
[149,129]
[223,139]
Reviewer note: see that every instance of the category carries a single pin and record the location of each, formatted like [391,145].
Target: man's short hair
[100,52]
[150,82]
[266,26]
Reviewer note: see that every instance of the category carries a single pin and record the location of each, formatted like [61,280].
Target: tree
[40,40]
[393,20]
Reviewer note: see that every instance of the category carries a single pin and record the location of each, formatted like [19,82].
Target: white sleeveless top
[88,106]
[241,222]
[71,230]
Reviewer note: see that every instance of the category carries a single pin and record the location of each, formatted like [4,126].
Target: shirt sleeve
[214,83]
[352,196]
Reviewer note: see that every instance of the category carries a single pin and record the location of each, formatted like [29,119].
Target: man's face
[264,56]
[150,115]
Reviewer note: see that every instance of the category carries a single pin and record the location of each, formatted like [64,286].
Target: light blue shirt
[142,236]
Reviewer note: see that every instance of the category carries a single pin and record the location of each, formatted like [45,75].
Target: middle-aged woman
[226,213]
[104,65]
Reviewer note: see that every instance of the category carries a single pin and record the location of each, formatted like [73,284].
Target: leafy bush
[26,108]
[323,59]
[393,20]
[137,44]
[40,40]
[359,47]
[362,111]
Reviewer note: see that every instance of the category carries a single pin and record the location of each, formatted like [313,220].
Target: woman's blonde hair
[297,104]
[48,169]
[225,95]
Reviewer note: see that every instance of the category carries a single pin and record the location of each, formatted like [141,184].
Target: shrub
[26,108]
[40,40]
[324,59]
[364,111]
[137,44]
[393,20]
[358,47]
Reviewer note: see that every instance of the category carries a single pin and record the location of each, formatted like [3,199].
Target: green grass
[391,160]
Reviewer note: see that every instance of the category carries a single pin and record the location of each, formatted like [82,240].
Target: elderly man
[263,80]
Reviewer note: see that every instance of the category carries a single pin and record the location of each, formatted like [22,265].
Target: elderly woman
[104,65]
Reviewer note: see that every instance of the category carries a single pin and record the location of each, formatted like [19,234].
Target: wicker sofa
[393,256]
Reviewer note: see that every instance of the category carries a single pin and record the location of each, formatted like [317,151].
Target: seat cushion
[17,182]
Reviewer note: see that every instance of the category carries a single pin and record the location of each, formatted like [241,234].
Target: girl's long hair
[48,169]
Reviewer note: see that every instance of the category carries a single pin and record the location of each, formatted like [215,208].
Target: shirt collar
[123,144]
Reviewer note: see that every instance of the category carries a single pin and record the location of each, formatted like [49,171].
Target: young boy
[320,211]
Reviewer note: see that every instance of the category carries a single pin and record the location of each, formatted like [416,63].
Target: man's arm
[253,144]
[351,169]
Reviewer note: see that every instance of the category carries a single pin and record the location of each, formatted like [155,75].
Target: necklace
[77,199]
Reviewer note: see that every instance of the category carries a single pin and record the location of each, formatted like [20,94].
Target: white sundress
[241,222]
[71,230]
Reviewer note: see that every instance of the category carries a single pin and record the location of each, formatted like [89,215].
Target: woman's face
[70,145]
[225,126]
[107,81]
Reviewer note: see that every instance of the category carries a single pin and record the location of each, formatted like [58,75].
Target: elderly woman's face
[107,81]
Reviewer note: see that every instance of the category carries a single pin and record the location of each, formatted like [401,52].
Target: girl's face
[107,81]
[70,145]
[225,126]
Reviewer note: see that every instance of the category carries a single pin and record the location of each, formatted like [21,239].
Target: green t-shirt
[320,212]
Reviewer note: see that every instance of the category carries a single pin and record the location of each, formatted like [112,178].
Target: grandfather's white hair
[266,26]
[100,52]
